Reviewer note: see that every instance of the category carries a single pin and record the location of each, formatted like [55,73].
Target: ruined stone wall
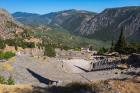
[34,52]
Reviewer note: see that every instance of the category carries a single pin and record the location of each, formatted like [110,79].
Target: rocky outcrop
[107,24]
[8,26]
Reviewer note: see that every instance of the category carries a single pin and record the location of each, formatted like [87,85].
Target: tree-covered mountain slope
[68,19]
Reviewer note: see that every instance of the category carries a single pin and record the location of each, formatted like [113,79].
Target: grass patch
[8,81]
[7,55]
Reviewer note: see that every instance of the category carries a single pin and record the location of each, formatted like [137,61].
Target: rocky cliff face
[107,25]
[7,25]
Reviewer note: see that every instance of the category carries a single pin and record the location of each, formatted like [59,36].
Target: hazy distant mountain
[107,24]
[69,19]
[103,26]
[8,25]
[30,18]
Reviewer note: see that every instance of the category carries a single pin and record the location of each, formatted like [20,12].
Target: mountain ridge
[108,24]
[55,18]
[103,26]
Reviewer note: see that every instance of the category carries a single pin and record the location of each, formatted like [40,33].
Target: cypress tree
[112,46]
[121,43]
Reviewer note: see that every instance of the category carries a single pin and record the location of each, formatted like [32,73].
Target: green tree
[65,47]
[121,43]
[2,44]
[77,48]
[102,51]
[49,51]
[10,42]
[112,46]
[91,48]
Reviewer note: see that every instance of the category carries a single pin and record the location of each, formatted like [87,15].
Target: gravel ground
[71,66]
[51,70]
[55,69]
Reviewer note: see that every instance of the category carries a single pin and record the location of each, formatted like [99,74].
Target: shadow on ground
[40,78]
[70,88]
[133,73]
[82,69]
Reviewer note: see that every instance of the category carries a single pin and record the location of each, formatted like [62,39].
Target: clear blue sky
[46,6]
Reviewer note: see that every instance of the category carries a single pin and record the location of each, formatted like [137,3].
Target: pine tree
[112,46]
[91,48]
[121,43]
